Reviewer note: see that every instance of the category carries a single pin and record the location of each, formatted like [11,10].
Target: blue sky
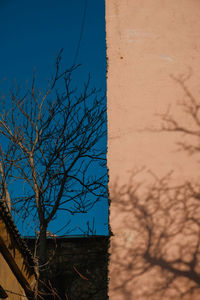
[32,33]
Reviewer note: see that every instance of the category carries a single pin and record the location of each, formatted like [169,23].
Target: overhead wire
[81,33]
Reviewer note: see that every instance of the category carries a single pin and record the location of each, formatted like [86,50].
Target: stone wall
[78,266]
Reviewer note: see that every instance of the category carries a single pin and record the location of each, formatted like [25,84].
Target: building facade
[78,266]
[153,77]
[17,276]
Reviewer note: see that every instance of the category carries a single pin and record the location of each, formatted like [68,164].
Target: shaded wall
[149,43]
[78,267]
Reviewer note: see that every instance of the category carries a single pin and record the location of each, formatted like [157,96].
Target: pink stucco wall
[148,42]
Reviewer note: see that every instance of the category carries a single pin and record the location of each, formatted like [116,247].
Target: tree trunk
[5,193]
[42,248]
[43,283]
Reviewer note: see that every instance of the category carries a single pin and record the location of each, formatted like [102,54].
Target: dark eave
[3,294]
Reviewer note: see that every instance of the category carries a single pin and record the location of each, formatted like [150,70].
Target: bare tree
[53,148]
[160,257]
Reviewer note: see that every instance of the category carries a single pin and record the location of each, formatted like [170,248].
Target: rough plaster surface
[147,42]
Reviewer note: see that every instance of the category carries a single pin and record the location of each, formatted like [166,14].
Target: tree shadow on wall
[157,255]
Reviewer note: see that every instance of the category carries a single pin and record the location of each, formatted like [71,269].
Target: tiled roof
[9,222]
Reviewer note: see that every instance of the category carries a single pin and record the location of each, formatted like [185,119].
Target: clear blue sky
[32,32]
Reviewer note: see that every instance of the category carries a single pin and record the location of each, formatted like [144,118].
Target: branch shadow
[157,253]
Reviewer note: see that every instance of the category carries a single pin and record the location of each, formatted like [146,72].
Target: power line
[81,33]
